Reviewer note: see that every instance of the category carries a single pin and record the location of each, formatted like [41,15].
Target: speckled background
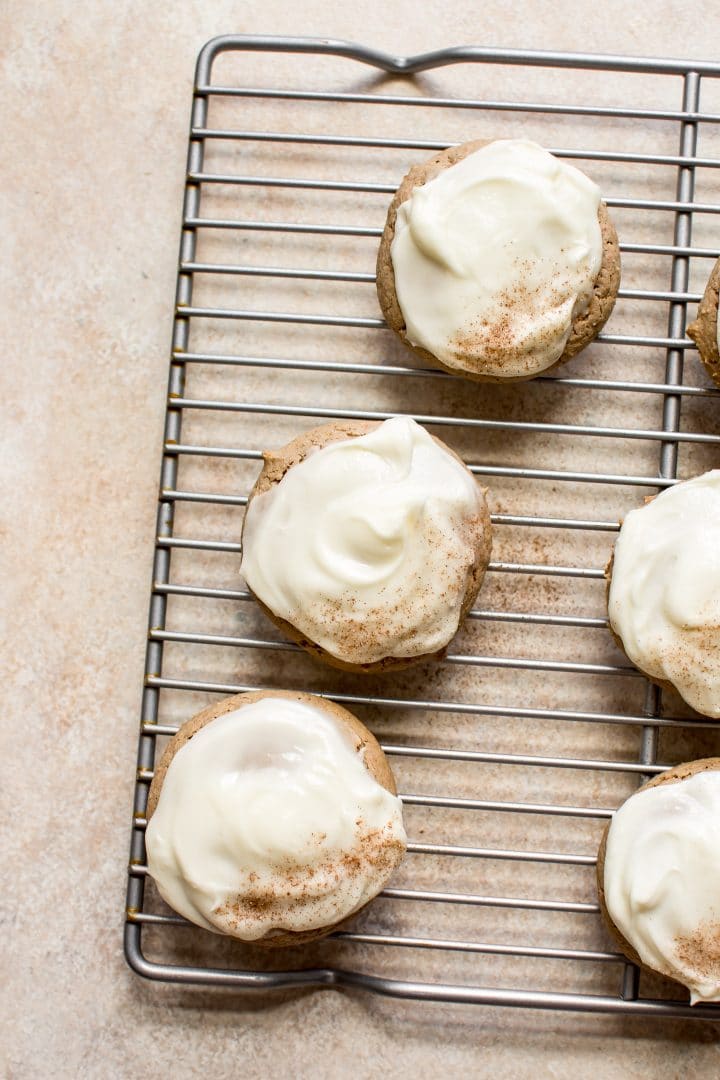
[96,108]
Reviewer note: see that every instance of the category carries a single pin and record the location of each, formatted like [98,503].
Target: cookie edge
[704,330]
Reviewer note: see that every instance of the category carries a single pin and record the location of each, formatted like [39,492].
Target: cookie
[366,543]
[658,877]
[492,289]
[273,817]
[664,590]
[705,331]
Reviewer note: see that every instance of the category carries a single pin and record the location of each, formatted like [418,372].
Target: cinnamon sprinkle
[499,339]
[302,886]
[700,950]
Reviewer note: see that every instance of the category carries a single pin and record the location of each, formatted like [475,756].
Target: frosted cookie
[664,590]
[366,543]
[498,261]
[659,877]
[272,818]
[705,331]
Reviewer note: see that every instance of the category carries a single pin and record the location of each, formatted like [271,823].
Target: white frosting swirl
[269,820]
[367,546]
[496,256]
[664,600]
[662,880]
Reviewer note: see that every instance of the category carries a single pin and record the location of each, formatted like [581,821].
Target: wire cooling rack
[512,754]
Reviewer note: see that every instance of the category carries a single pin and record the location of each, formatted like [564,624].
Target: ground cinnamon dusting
[701,950]
[301,886]
[499,339]
[403,619]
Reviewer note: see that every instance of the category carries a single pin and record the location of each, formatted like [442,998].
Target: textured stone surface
[95,121]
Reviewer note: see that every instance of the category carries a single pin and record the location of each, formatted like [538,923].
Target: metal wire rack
[513,752]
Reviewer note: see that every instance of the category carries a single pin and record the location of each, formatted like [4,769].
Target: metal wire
[412,938]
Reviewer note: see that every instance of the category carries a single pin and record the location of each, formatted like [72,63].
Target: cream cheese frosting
[368,545]
[269,820]
[496,256]
[662,879]
[664,600]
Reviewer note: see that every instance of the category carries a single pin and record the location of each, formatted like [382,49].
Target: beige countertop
[95,126]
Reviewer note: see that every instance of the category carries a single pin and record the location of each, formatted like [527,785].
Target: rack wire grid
[513,752]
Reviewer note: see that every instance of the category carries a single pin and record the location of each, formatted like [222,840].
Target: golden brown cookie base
[584,328]
[705,328]
[373,757]
[671,776]
[277,463]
